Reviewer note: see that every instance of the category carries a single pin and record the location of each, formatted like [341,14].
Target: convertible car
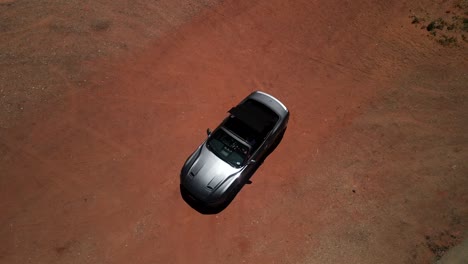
[229,156]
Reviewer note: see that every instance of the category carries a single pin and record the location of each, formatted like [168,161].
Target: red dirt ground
[101,103]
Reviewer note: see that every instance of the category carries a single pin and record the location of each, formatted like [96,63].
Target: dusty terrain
[101,102]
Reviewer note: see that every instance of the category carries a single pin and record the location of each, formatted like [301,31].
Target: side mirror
[208,131]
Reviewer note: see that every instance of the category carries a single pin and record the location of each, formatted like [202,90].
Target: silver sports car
[233,151]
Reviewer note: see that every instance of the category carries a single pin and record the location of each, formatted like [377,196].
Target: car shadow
[202,208]
[208,210]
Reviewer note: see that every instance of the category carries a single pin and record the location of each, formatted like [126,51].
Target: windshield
[227,148]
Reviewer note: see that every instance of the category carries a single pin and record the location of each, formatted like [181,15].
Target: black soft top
[256,116]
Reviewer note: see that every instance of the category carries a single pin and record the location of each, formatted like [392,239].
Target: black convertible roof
[255,115]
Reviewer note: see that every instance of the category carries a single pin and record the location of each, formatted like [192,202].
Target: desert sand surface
[101,102]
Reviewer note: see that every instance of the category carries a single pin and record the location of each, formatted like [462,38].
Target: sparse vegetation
[436,24]
[416,20]
[465,24]
[461,4]
[440,243]
[445,40]
[447,26]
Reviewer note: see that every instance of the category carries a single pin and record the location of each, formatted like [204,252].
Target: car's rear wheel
[277,141]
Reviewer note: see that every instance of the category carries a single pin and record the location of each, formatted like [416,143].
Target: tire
[276,143]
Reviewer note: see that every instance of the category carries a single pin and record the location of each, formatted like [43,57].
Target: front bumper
[193,200]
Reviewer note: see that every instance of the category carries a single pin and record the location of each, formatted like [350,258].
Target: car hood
[207,173]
